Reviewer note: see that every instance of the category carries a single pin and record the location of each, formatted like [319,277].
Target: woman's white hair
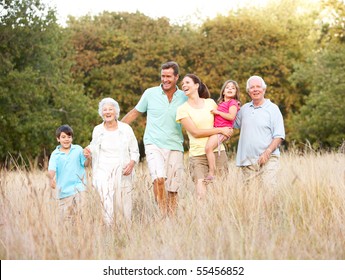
[263,84]
[109,100]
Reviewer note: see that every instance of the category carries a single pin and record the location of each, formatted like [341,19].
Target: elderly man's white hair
[263,84]
[109,100]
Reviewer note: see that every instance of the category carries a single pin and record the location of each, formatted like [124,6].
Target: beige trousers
[72,206]
[265,175]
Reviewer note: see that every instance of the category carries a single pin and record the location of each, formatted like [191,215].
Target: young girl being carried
[224,116]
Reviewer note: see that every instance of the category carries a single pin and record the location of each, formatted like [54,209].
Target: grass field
[303,219]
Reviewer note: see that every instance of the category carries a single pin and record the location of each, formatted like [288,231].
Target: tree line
[52,75]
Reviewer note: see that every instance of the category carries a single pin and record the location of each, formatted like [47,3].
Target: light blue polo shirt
[162,129]
[69,170]
[258,127]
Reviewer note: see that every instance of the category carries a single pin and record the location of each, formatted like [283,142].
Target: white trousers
[116,198]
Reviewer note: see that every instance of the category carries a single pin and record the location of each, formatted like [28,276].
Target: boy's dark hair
[173,65]
[64,128]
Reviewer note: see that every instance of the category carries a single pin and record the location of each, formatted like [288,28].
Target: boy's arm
[52,178]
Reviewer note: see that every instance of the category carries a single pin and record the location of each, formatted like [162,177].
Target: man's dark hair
[64,128]
[173,65]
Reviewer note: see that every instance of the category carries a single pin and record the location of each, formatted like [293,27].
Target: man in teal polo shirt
[163,138]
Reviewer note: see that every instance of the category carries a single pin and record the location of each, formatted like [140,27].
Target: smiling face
[108,112]
[169,80]
[230,91]
[65,140]
[256,91]
[189,86]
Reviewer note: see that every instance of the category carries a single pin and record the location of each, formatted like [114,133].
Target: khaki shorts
[198,165]
[164,163]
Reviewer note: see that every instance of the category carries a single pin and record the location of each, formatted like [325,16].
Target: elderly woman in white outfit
[114,152]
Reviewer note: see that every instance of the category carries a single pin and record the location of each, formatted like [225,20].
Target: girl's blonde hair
[221,95]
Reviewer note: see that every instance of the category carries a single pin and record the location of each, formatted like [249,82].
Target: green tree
[37,93]
[321,119]
[248,42]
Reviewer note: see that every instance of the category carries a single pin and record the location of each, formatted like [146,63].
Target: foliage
[321,119]
[36,91]
[333,17]
[247,43]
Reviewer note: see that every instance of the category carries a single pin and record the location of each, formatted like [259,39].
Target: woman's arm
[189,125]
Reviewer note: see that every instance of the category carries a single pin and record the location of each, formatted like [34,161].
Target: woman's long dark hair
[202,90]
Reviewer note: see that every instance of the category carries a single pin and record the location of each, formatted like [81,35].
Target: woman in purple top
[224,116]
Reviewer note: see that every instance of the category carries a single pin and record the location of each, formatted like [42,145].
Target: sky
[178,11]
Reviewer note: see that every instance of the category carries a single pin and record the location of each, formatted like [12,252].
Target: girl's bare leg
[211,144]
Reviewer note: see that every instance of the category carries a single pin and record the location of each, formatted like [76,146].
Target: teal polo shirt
[69,170]
[162,129]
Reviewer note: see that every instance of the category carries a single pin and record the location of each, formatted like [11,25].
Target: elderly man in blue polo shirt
[163,138]
[262,131]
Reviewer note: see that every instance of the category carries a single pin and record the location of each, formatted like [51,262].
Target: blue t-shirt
[258,127]
[70,170]
[162,129]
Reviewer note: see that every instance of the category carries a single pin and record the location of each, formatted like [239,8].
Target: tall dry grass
[303,219]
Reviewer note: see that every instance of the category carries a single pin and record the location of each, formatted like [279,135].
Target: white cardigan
[128,141]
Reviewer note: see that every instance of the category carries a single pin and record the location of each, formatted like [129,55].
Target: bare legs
[211,144]
[160,195]
[167,202]
[172,203]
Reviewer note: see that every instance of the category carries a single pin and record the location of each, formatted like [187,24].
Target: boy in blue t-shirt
[66,171]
